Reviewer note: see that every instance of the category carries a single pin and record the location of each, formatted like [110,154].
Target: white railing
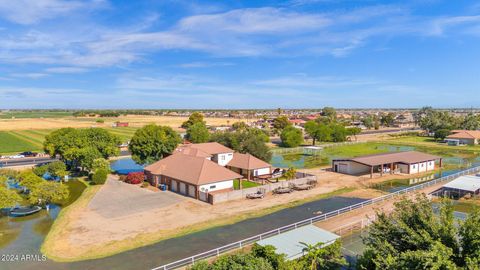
[245,242]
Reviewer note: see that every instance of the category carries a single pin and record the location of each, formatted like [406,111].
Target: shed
[461,186]
[288,243]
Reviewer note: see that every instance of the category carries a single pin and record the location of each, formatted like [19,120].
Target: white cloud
[66,70]
[30,12]
[29,75]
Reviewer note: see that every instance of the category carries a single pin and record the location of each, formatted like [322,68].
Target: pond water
[125,166]
[24,235]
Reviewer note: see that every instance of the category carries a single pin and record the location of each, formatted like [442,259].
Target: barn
[408,162]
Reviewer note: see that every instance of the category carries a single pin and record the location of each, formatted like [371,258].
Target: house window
[423,165]
[414,166]
[213,186]
[222,157]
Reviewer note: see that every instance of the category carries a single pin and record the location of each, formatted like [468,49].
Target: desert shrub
[100,176]
[135,178]
[122,178]
[145,184]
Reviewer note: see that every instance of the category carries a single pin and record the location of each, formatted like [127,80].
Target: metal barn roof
[288,243]
[467,183]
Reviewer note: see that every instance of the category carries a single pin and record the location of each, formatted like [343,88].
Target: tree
[239,126]
[414,237]
[251,141]
[354,131]
[291,137]
[29,180]
[291,173]
[151,143]
[57,169]
[330,114]
[100,164]
[99,177]
[319,257]
[79,147]
[471,122]
[280,123]
[312,130]
[441,134]
[387,119]
[368,122]
[194,118]
[47,192]
[8,198]
[339,133]
[198,133]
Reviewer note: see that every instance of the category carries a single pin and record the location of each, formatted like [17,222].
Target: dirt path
[368,212]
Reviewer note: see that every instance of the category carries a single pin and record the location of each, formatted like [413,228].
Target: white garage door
[183,188]
[191,191]
[174,185]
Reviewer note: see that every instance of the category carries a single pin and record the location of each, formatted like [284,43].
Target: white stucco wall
[421,167]
[218,186]
[430,165]
[222,159]
[261,171]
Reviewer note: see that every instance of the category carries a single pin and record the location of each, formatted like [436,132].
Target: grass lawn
[10,143]
[245,184]
[428,142]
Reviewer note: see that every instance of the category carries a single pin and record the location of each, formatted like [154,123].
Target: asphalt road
[25,161]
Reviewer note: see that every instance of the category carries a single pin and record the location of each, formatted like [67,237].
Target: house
[218,153]
[459,137]
[297,122]
[120,124]
[249,166]
[409,162]
[191,174]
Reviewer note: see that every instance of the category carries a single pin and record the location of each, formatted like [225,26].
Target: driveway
[117,199]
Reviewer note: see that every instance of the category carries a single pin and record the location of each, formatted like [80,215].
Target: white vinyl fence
[245,242]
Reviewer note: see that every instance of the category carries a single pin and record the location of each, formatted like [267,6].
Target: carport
[462,186]
[289,243]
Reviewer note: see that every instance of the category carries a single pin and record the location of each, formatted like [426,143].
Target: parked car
[29,154]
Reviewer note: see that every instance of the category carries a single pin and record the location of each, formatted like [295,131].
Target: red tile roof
[247,162]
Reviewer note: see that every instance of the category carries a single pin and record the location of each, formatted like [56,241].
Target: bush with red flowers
[135,178]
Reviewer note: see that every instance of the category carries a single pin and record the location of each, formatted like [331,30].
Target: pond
[24,235]
[453,159]
[125,166]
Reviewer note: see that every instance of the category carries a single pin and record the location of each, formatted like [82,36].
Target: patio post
[371,172]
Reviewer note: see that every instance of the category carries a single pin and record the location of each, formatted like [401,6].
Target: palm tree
[321,257]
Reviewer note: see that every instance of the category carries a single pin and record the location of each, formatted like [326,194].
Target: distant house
[459,137]
[120,124]
[249,166]
[410,162]
[297,122]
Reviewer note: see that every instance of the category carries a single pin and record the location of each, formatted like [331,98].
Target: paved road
[25,161]
[5,163]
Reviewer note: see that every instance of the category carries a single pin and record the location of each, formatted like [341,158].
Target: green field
[13,142]
[33,114]
[245,184]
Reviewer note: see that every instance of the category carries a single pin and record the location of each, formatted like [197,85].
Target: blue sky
[239,54]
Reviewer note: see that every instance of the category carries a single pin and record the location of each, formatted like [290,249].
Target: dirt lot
[83,122]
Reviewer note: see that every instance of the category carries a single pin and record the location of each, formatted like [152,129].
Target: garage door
[342,168]
[203,196]
[183,188]
[191,191]
[174,185]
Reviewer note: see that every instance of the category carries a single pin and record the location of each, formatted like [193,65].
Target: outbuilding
[408,162]
[462,186]
[249,166]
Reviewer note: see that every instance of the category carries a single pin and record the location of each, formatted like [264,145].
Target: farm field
[28,134]
[33,114]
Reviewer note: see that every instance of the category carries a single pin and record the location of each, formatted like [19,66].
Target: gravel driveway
[116,199]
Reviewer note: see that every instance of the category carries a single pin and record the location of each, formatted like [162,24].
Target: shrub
[145,184]
[135,178]
[100,176]
[122,178]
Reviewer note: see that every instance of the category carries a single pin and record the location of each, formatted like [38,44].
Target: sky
[168,54]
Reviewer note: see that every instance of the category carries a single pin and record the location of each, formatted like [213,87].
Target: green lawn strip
[245,184]
[116,247]
[10,143]
[37,143]
[30,136]
[9,115]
